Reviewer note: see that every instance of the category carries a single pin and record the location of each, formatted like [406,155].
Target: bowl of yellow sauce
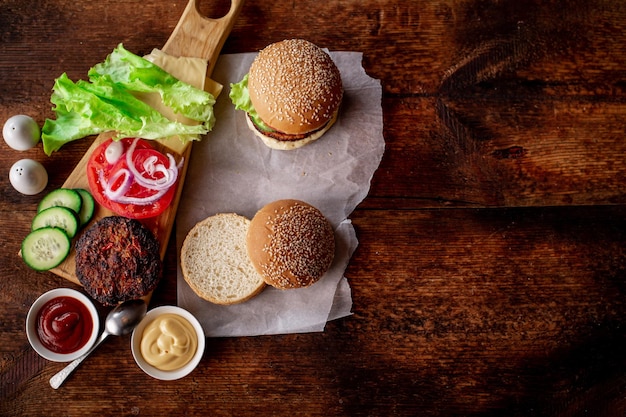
[168,343]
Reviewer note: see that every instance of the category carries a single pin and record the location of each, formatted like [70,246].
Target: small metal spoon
[120,321]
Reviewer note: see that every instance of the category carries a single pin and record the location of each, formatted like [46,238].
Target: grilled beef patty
[117,259]
[286,137]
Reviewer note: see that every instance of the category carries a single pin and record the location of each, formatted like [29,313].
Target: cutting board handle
[198,36]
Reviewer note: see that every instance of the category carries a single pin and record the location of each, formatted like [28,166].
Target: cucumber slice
[61,217]
[88,207]
[64,197]
[45,248]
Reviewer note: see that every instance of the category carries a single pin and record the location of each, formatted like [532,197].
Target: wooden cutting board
[194,36]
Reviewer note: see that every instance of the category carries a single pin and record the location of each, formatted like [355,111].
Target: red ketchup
[64,325]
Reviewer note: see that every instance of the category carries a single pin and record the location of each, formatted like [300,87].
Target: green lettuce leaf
[240,96]
[138,74]
[85,109]
[107,103]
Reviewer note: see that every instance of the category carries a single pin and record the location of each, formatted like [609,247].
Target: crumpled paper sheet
[231,171]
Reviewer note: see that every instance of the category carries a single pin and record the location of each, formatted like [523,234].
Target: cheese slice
[188,69]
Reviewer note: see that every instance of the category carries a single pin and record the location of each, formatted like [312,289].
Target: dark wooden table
[490,278]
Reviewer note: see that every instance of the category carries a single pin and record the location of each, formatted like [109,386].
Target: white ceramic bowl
[31,324]
[135,344]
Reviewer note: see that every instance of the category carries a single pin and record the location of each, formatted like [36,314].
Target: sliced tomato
[100,171]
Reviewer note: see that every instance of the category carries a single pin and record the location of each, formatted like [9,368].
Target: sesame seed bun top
[295,86]
[290,243]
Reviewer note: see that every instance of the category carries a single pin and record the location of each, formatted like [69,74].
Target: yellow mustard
[168,342]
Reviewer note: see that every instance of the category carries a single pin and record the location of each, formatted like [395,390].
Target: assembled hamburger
[291,94]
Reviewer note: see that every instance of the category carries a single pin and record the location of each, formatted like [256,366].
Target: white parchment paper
[231,171]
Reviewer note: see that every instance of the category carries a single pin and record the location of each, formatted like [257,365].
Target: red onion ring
[161,185]
[115,195]
[141,201]
[170,174]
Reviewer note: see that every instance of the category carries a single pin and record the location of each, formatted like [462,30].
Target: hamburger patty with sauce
[117,259]
[287,137]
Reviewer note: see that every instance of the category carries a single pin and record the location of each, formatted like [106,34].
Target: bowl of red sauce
[62,324]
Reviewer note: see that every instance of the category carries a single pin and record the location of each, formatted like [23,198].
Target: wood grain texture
[490,276]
